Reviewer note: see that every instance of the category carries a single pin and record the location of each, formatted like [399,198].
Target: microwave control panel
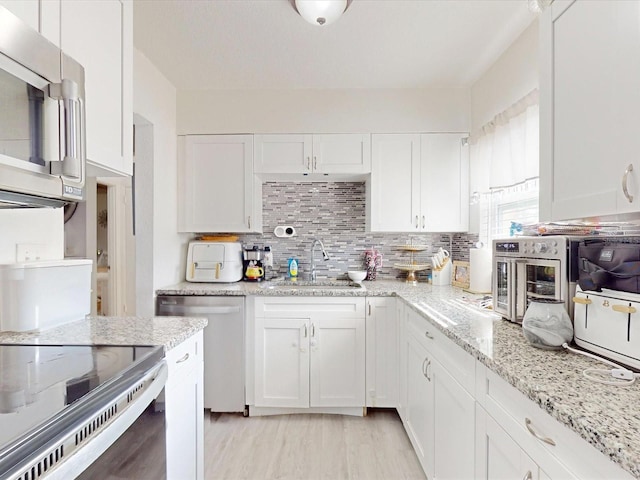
[531,247]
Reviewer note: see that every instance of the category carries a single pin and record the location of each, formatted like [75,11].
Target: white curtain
[505,152]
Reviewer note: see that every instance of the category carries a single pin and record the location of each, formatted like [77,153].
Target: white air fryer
[214,262]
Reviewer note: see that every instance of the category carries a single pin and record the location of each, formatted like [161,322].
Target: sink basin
[306,285]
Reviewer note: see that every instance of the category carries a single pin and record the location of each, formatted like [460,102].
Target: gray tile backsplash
[335,213]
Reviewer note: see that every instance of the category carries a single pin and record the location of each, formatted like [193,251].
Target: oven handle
[191,310]
[78,461]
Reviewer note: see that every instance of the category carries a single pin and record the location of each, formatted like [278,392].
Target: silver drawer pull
[428,335]
[527,423]
[184,358]
[528,476]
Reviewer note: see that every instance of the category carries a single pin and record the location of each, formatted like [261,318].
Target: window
[504,164]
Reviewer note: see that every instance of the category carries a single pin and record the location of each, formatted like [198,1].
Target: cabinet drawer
[535,431]
[284,307]
[460,364]
[185,357]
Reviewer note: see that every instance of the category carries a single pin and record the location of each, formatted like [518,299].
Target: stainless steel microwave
[42,120]
[526,268]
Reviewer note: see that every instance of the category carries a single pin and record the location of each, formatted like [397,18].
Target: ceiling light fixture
[538,6]
[321,12]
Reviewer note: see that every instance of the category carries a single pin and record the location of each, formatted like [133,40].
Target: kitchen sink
[307,285]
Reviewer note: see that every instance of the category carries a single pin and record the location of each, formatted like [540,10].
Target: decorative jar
[546,324]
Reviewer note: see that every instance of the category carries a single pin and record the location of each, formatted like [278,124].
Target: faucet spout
[325,256]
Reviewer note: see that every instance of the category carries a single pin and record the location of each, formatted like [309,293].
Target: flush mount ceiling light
[321,12]
[538,6]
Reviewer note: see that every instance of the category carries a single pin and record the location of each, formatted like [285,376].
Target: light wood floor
[308,446]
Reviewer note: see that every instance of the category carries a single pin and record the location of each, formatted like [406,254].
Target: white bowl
[357,275]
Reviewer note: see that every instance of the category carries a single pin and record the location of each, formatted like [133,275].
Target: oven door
[504,286]
[139,453]
[536,279]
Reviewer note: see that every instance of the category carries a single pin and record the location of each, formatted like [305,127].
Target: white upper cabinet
[589,109]
[419,183]
[41,15]
[324,155]
[217,191]
[99,35]
[27,10]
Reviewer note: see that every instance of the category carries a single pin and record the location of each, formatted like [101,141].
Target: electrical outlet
[26,252]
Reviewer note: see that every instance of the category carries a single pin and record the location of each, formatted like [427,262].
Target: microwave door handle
[72,129]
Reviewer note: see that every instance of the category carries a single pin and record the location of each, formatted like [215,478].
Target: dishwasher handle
[186,310]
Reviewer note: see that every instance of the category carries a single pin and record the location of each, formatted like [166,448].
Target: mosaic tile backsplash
[334,212]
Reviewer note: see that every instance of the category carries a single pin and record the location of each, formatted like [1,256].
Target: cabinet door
[184,411]
[498,456]
[216,184]
[382,352]
[444,191]
[99,35]
[283,154]
[282,362]
[419,420]
[337,361]
[27,10]
[402,359]
[454,417]
[586,67]
[342,153]
[394,193]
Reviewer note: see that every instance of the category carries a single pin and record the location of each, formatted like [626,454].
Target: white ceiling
[265,44]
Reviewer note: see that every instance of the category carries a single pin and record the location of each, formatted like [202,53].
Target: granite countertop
[604,415]
[166,331]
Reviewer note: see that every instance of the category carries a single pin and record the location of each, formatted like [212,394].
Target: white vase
[546,324]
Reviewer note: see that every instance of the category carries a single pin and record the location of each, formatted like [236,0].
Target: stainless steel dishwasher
[223,345]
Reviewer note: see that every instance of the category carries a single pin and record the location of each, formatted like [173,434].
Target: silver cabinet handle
[428,335]
[427,373]
[249,221]
[625,182]
[424,367]
[369,308]
[417,224]
[548,440]
[315,162]
[308,163]
[313,329]
[183,359]
[423,223]
[305,331]
[528,476]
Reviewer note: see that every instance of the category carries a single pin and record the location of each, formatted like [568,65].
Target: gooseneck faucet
[325,256]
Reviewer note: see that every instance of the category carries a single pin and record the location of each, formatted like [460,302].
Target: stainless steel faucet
[325,256]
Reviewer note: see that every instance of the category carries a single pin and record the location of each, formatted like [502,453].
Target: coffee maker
[253,264]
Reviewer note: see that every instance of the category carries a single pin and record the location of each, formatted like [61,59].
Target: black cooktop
[39,382]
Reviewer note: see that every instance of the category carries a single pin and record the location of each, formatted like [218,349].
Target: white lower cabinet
[419,416]
[439,413]
[309,352]
[382,352]
[499,456]
[508,423]
[185,411]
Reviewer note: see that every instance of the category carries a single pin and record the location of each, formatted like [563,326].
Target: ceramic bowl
[357,275]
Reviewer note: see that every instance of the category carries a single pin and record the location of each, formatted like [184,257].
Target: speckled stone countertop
[608,417]
[166,331]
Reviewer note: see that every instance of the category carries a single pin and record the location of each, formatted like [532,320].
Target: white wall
[323,111]
[509,79]
[41,227]
[155,101]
